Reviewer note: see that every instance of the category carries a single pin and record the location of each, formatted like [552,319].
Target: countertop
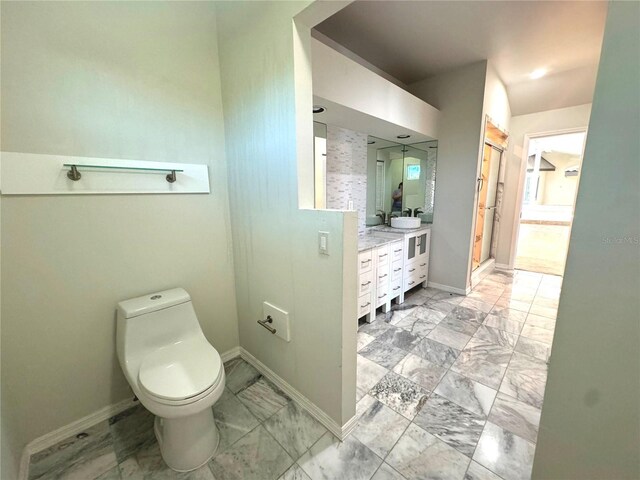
[388,235]
[401,231]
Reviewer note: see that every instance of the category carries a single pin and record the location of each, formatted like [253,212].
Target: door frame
[501,151]
[523,174]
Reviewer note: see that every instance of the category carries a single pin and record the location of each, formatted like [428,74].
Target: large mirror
[397,179]
[401,179]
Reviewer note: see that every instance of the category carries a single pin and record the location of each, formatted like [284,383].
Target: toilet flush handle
[264,324]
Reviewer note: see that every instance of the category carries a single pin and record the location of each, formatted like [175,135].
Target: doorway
[490,188]
[487,196]
[550,187]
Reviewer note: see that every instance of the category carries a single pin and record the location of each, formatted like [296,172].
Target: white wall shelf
[37,174]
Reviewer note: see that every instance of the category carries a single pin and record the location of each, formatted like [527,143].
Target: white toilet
[175,373]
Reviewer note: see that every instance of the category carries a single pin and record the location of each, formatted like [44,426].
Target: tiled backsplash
[347,171]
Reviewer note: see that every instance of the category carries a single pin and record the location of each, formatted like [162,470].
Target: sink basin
[405,222]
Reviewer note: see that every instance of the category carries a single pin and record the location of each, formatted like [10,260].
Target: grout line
[448,369]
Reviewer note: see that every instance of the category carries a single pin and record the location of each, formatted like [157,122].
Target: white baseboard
[348,427]
[482,271]
[450,289]
[52,438]
[229,354]
[503,266]
[338,430]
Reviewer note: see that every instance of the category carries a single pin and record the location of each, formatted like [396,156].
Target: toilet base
[187,443]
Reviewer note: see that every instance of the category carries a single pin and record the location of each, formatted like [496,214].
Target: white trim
[23,472]
[482,271]
[229,354]
[523,172]
[450,289]
[338,430]
[348,427]
[502,266]
[52,438]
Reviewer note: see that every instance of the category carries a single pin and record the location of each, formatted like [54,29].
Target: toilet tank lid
[152,302]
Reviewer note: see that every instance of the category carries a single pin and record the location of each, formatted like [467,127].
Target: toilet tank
[147,323]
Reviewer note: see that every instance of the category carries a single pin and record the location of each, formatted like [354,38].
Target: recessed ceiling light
[318,109]
[402,137]
[370,142]
[537,73]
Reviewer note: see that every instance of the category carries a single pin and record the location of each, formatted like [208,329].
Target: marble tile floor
[459,395]
[264,435]
[447,389]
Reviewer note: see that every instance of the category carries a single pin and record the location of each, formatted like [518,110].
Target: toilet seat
[182,372]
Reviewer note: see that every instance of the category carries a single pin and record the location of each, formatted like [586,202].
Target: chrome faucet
[407,211]
[417,211]
[382,215]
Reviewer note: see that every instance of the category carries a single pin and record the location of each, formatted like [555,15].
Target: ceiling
[568,143]
[413,40]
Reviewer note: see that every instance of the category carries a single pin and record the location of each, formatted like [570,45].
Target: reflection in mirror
[400,180]
[320,164]
[426,154]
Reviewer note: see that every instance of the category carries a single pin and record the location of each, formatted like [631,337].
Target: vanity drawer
[364,304]
[365,283]
[422,263]
[395,287]
[396,271]
[411,281]
[382,296]
[396,252]
[382,274]
[410,269]
[365,261]
[382,256]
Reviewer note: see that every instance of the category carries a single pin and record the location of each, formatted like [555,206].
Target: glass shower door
[487,190]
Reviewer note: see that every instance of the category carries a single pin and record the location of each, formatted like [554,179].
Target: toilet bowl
[175,373]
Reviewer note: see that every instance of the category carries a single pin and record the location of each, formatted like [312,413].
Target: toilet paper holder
[268,327]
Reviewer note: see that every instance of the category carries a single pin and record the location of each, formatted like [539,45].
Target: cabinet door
[412,247]
[422,244]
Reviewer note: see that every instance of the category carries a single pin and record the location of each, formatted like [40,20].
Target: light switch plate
[280,320]
[323,243]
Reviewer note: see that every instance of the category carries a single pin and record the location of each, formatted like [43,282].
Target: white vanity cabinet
[387,271]
[382,275]
[416,259]
[365,283]
[379,278]
[395,270]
